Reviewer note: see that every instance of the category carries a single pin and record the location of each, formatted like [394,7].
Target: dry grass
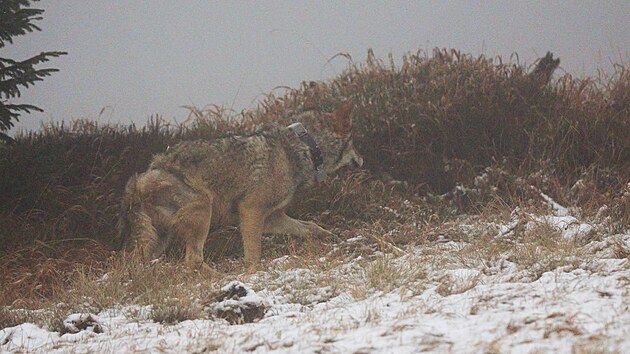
[450,285]
[385,274]
[42,270]
[543,249]
[174,293]
[10,317]
[535,247]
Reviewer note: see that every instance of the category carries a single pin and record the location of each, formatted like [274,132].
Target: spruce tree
[16,17]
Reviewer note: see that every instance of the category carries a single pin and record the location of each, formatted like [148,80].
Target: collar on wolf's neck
[316,152]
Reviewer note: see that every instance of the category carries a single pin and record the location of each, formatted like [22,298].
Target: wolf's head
[333,134]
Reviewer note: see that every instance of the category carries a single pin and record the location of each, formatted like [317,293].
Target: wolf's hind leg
[281,223]
[145,237]
[192,223]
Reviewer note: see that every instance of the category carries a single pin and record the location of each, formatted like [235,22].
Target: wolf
[245,181]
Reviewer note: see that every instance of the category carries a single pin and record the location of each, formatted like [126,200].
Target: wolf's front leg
[252,222]
[281,223]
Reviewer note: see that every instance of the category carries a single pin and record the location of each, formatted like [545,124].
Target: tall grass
[441,119]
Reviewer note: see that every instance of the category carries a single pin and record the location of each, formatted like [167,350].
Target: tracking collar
[316,153]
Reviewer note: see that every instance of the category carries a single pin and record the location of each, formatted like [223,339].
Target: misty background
[128,60]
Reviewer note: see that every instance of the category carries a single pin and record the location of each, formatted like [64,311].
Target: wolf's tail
[135,226]
[126,209]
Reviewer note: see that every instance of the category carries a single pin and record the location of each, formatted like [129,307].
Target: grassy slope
[476,131]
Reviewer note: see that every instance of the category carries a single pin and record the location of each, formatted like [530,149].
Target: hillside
[491,215]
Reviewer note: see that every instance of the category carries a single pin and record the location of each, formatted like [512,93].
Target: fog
[130,59]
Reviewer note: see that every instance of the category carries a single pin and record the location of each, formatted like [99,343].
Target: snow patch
[26,335]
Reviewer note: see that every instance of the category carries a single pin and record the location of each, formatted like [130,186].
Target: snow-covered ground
[436,305]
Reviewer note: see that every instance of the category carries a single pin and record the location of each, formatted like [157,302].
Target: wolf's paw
[318,231]
[251,267]
[205,269]
[202,268]
[325,235]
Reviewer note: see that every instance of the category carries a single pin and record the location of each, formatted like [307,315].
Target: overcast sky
[131,59]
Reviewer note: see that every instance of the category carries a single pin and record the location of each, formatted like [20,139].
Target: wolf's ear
[343,120]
